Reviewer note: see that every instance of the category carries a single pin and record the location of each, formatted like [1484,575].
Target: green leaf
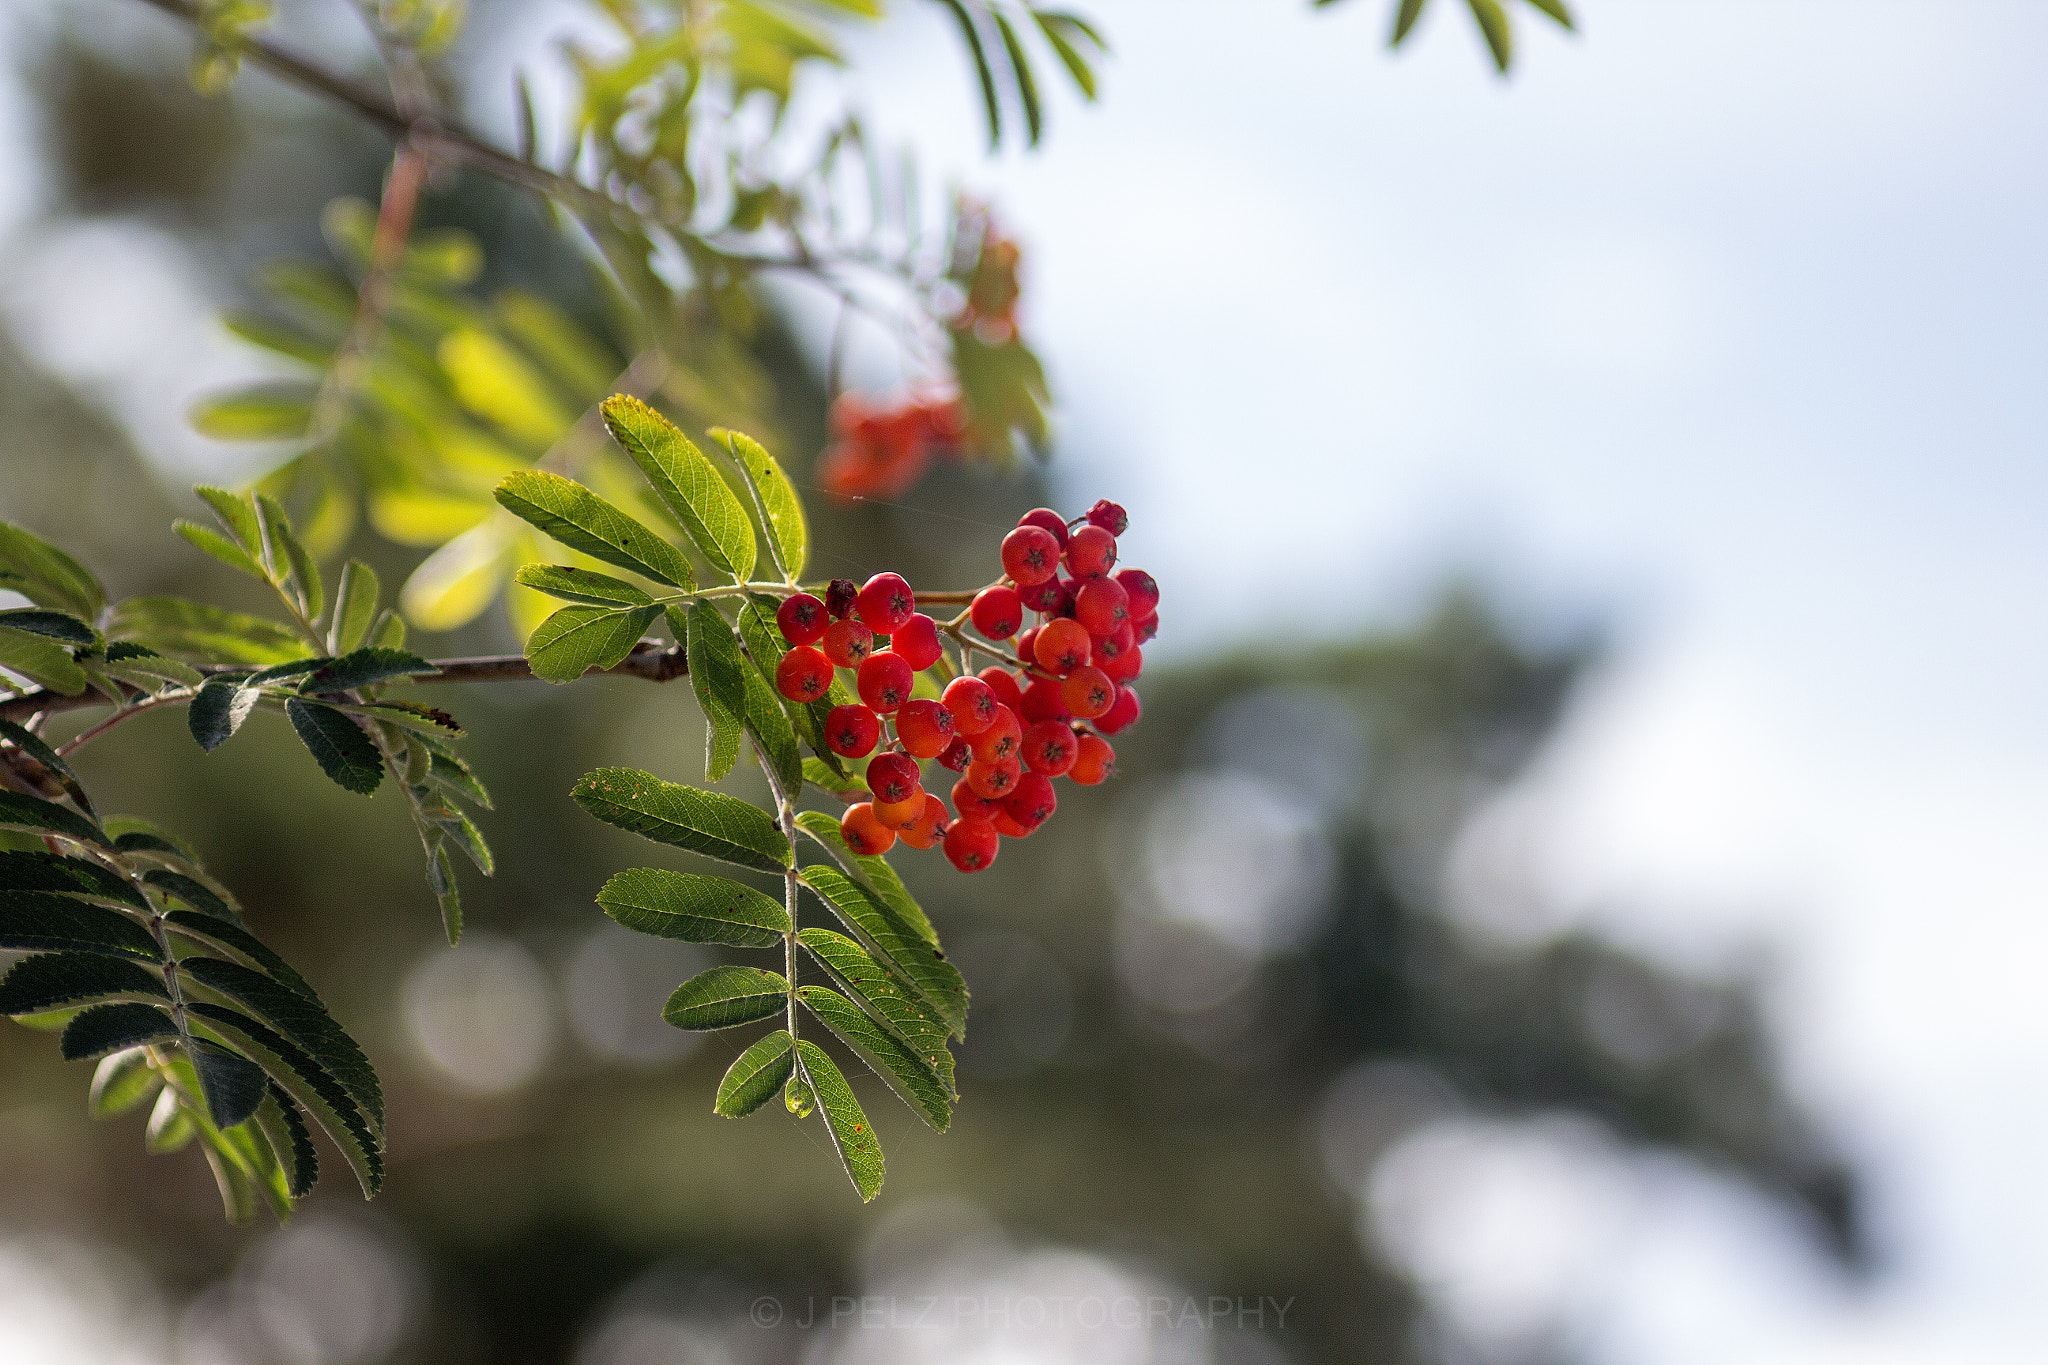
[1059,31]
[132,832]
[285,1126]
[338,744]
[55,625]
[769,725]
[39,871]
[755,1075]
[710,823]
[1404,19]
[782,511]
[226,937]
[447,894]
[427,721]
[219,709]
[145,668]
[275,411]
[871,870]
[51,981]
[212,542]
[576,640]
[1020,70]
[451,772]
[38,816]
[908,955]
[765,648]
[797,1096]
[39,922]
[883,1052]
[302,1020]
[306,1082]
[694,909]
[852,785]
[111,1028]
[233,1085]
[193,893]
[41,660]
[48,576]
[860,1151]
[1493,25]
[355,607]
[120,1082]
[580,585]
[716,677]
[911,1021]
[1557,11]
[725,997]
[237,512]
[174,626]
[33,745]
[972,37]
[364,667]
[581,520]
[288,559]
[686,482]
[171,1127]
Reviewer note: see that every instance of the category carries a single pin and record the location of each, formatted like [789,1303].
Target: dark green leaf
[285,1126]
[769,725]
[40,922]
[121,1082]
[362,667]
[454,774]
[32,744]
[54,625]
[694,909]
[48,576]
[704,822]
[715,667]
[581,520]
[755,1075]
[141,667]
[883,1053]
[39,871]
[51,981]
[355,607]
[307,1083]
[871,870]
[416,716]
[726,996]
[860,1151]
[908,1019]
[299,1018]
[1020,70]
[110,1028]
[907,954]
[686,482]
[132,832]
[789,536]
[576,640]
[343,751]
[174,626]
[590,588]
[194,893]
[219,709]
[225,936]
[234,1085]
[46,817]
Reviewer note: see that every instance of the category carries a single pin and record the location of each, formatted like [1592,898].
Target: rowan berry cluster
[1040,713]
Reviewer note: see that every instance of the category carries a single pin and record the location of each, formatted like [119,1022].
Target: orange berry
[925,727]
[1088,692]
[1062,645]
[865,834]
[971,844]
[1094,762]
[993,778]
[928,828]
[897,815]
[1000,739]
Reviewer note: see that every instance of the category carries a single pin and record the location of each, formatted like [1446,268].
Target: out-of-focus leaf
[971,35]
[355,607]
[32,744]
[496,383]
[176,627]
[41,660]
[60,626]
[212,542]
[48,576]
[1060,31]
[1020,72]
[37,816]
[455,583]
[120,1082]
[1493,26]
[273,411]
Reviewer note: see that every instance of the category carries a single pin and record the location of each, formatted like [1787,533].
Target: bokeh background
[1576,894]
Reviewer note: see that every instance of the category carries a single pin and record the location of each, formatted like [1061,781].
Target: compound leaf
[884,1054]
[51,981]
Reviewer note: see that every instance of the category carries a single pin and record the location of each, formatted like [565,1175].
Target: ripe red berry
[1091,552]
[896,814]
[972,703]
[1102,605]
[852,731]
[1109,516]
[1142,589]
[1113,645]
[994,778]
[884,681]
[1069,590]
[1049,747]
[1041,596]
[1030,555]
[1062,646]
[928,828]
[1033,802]
[1088,692]
[1147,628]
[846,643]
[1027,644]
[997,612]
[1001,737]
[1122,712]
[926,727]
[1048,521]
[840,597]
[957,755]
[1003,683]
[804,674]
[892,777]
[970,804]
[1095,762]
[1125,666]
[1043,700]
[917,640]
[865,834]
[1008,825]
[971,844]
[802,619]
[886,602]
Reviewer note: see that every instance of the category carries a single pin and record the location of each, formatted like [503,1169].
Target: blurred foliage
[1491,17]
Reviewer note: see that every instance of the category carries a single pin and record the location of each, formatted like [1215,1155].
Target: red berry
[1095,761]
[971,805]
[1047,520]
[997,612]
[1069,591]
[1114,645]
[802,619]
[1125,666]
[1043,700]
[1143,591]
[886,602]
[994,778]
[1062,646]
[892,777]
[928,828]
[896,814]
[1050,747]
[1109,516]
[1033,802]
[864,834]
[1003,683]
[804,674]
[1088,692]
[926,727]
[1001,738]
[917,640]
[1027,644]
[1122,712]
[971,844]
[1041,596]
[1102,605]
[1146,629]
[1008,825]
[1030,555]
[1091,552]
[957,755]
[884,681]
[852,731]
[973,704]
[848,642]
[840,597]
